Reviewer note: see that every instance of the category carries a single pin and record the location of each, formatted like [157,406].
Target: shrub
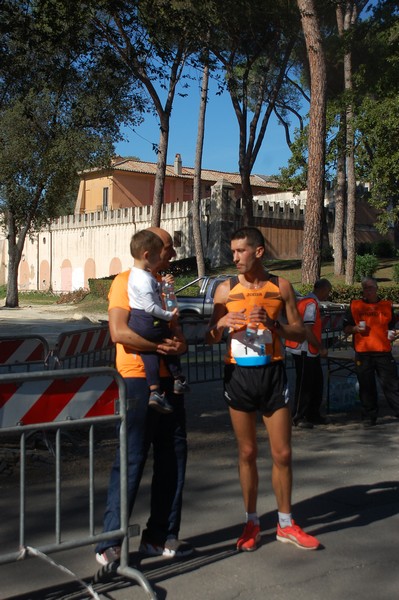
[100,287]
[365,266]
[345,293]
[395,273]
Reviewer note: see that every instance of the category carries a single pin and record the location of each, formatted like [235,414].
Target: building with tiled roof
[130,182]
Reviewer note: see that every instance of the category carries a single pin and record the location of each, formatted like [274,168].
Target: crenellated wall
[75,248]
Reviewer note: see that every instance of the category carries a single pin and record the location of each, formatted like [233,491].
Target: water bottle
[251,333]
[170,296]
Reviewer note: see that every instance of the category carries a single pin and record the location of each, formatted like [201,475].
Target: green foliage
[100,287]
[345,293]
[61,107]
[395,273]
[365,266]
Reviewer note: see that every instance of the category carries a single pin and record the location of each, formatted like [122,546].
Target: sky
[221,136]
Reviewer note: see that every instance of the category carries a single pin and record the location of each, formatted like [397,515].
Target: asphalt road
[346,492]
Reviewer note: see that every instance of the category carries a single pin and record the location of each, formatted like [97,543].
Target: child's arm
[151,306]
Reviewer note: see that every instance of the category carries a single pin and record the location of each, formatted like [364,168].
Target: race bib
[255,351]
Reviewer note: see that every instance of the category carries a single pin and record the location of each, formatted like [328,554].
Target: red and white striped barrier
[29,400]
[23,349]
[83,341]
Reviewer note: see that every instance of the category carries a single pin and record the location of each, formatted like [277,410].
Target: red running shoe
[250,538]
[295,535]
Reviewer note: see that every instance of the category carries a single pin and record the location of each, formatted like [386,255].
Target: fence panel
[91,347]
[21,353]
[58,401]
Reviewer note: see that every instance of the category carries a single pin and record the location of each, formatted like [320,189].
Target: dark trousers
[166,433]
[308,387]
[383,366]
[153,330]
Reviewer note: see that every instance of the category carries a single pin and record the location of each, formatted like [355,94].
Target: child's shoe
[159,402]
[181,386]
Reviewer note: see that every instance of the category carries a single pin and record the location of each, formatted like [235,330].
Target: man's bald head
[161,233]
[168,251]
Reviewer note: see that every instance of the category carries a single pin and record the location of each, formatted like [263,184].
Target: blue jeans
[167,435]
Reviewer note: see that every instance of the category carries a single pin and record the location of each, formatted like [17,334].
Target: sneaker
[181,386]
[172,548]
[295,535]
[109,555]
[250,538]
[159,402]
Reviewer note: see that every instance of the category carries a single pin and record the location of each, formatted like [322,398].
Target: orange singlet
[268,297]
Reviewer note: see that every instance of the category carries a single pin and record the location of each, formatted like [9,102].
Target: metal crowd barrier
[90,347]
[58,401]
[21,353]
[202,362]
[205,363]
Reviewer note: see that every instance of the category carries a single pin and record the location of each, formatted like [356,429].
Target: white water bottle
[170,296]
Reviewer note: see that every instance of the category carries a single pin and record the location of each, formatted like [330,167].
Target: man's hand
[233,320]
[259,315]
[172,346]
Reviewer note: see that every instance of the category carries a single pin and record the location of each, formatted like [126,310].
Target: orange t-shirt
[128,363]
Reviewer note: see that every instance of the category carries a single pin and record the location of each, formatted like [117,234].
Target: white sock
[252,517]
[285,519]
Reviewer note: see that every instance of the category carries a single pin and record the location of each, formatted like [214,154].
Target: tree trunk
[349,20]
[161,169]
[14,257]
[199,250]
[247,196]
[316,143]
[340,197]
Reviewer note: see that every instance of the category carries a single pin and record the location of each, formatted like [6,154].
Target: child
[147,317]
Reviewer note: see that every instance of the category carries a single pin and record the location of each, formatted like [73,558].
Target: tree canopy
[61,110]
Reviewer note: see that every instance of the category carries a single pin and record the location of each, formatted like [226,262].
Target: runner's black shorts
[256,388]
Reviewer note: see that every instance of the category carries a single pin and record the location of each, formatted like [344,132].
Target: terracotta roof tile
[137,166]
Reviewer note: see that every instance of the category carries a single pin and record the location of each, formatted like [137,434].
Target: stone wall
[74,248]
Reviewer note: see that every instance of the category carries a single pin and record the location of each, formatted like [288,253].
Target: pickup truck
[199,306]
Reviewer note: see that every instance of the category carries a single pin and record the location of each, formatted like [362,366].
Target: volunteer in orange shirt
[371,321]
[255,379]
[166,433]
[306,356]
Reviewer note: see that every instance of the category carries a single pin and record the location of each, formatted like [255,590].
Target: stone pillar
[223,220]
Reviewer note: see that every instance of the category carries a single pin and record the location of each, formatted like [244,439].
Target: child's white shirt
[143,290]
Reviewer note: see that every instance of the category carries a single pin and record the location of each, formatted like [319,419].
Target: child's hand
[168,278]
